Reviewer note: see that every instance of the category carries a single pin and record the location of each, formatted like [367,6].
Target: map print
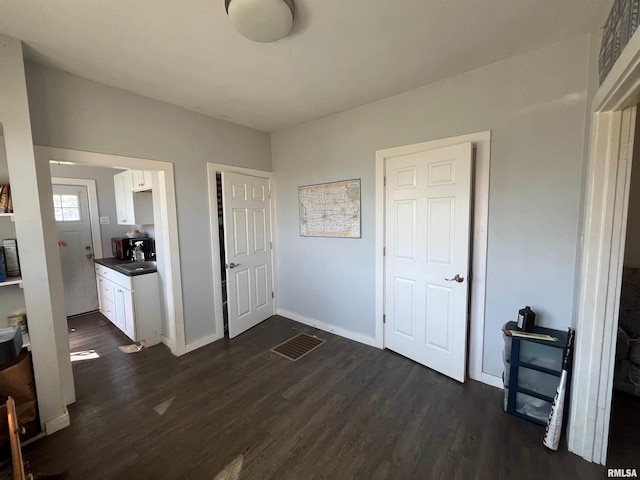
[330,209]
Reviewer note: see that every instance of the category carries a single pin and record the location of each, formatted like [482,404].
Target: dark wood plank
[624,437]
[346,410]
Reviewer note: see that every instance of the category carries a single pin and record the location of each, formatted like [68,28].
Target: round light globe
[261,20]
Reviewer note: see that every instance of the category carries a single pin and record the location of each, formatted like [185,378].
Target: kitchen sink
[136,267]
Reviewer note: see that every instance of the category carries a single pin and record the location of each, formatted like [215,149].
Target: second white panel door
[247,227]
[427,233]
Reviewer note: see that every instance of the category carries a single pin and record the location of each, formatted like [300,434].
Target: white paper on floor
[135,348]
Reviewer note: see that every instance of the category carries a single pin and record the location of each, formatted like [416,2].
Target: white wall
[106,197]
[535,106]
[36,233]
[74,113]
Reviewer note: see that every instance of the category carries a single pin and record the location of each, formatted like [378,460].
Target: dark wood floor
[624,437]
[239,411]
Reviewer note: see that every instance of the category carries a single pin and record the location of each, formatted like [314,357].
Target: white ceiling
[341,53]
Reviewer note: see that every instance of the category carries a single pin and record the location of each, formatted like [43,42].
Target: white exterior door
[247,231]
[427,234]
[71,205]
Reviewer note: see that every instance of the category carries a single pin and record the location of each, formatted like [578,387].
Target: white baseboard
[327,327]
[201,342]
[58,423]
[33,439]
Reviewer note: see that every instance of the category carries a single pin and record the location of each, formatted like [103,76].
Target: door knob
[457,278]
[234,265]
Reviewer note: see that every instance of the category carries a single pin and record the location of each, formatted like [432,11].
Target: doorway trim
[212,170]
[94,213]
[482,149]
[169,227]
[602,254]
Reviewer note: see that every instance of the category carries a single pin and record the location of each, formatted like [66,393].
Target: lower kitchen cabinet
[131,303]
[124,312]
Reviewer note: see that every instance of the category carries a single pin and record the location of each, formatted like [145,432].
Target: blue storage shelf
[526,355]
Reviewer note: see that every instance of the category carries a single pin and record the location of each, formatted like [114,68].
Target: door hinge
[271,245]
[384,251]
[384,319]
[273,295]
[384,181]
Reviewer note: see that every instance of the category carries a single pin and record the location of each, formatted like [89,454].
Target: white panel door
[247,230]
[427,234]
[71,205]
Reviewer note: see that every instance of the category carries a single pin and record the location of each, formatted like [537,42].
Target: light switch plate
[105,220]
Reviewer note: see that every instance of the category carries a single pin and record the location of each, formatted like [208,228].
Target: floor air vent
[298,346]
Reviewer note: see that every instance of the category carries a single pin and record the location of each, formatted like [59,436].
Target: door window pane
[66,208]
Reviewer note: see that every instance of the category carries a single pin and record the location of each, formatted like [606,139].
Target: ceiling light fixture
[261,20]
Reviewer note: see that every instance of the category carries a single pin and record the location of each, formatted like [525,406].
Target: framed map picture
[330,209]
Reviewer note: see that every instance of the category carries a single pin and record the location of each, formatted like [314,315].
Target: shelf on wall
[12,281]
[26,341]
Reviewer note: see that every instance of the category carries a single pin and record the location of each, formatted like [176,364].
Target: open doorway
[91,212]
[168,294]
[223,271]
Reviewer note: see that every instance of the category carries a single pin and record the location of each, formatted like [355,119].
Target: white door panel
[262,286]
[71,203]
[428,211]
[243,293]
[404,300]
[260,230]
[248,254]
[240,232]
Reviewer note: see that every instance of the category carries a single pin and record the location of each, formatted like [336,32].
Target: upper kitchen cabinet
[132,207]
[141,180]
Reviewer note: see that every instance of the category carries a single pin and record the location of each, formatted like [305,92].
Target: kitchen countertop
[114,262]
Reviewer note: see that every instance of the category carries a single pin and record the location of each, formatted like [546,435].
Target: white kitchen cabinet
[122,183]
[131,303]
[132,207]
[124,318]
[106,297]
[141,180]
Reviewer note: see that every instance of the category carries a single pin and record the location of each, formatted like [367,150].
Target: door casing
[607,187]
[168,230]
[480,216]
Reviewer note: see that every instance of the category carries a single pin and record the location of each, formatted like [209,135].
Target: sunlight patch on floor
[84,355]
[162,407]
[231,471]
